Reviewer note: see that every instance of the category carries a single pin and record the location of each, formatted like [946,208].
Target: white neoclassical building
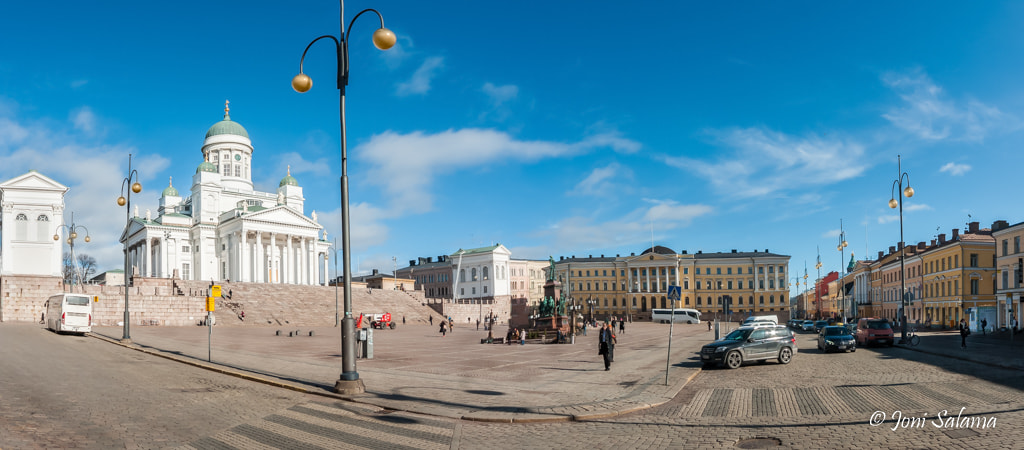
[32,212]
[225,230]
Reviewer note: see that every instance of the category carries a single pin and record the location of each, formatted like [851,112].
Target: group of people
[446,326]
[515,334]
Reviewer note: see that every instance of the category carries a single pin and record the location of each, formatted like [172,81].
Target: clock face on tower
[238,157]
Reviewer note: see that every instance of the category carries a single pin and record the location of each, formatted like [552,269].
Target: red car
[873,331]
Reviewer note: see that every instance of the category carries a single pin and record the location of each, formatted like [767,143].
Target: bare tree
[87,264]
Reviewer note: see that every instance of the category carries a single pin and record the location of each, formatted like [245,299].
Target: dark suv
[750,344]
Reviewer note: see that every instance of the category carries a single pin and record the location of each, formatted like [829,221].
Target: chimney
[734,250]
[933,242]
[684,252]
[900,245]
[412,262]
[942,238]
[374,271]
[590,256]
[956,234]
[766,250]
[921,245]
[881,254]
[700,252]
[892,249]
[996,226]
[973,227]
[616,255]
[561,258]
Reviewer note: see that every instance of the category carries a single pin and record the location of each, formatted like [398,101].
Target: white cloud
[500,94]
[955,169]
[888,218]
[764,162]
[832,233]
[602,180]
[929,115]
[584,233]
[420,157]
[915,207]
[84,120]
[299,164]
[420,81]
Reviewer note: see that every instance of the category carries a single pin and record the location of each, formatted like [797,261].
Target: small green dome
[289,180]
[170,191]
[226,126]
[206,166]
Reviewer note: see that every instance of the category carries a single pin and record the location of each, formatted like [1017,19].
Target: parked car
[750,344]
[819,325]
[807,325]
[874,331]
[835,338]
[767,318]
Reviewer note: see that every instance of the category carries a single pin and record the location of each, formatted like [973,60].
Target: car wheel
[733,360]
[785,355]
[853,350]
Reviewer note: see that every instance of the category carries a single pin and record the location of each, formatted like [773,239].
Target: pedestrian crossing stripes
[330,426]
[841,400]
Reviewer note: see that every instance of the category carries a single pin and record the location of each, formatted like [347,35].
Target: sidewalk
[416,369]
[994,349]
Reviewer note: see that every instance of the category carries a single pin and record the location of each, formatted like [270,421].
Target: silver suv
[750,344]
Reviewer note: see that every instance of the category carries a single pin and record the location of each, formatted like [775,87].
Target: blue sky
[554,128]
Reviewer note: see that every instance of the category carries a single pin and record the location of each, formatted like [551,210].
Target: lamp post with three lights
[129,185]
[72,236]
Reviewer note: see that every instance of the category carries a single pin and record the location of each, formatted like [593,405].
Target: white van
[772,318]
[69,313]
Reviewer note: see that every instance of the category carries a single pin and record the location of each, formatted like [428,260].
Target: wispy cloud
[763,162]
[888,218]
[420,157]
[603,180]
[84,120]
[500,94]
[421,78]
[585,233]
[930,115]
[955,169]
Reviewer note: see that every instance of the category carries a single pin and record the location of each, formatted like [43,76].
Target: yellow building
[958,275]
[621,286]
[1009,289]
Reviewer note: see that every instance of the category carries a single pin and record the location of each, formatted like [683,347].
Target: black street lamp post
[383,38]
[894,203]
[126,200]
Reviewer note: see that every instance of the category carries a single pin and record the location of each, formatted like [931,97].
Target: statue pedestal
[552,323]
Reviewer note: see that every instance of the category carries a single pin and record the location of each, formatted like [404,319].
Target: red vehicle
[873,331]
[377,321]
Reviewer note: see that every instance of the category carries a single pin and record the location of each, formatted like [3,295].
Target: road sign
[674,292]
[215,290]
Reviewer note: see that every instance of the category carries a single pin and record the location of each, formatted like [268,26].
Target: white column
[311,278]
[657,279]
[303,260]
[289,262]
[239,269]
[272,253]
[325,270]
[145,258]
[258,259]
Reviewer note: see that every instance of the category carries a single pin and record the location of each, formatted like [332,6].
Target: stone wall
[172,302]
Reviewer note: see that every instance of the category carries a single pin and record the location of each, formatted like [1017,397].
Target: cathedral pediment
[33,181]
[283,215]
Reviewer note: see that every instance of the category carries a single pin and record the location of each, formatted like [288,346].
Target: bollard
[278,333]
[310,334]
[290,334]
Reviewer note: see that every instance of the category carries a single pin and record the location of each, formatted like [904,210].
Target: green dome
[289,180]
[226,126]
[206,166]
[170,191]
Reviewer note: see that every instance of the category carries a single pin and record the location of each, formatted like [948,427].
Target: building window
[472,274]
[730,284]
[771,283]
[485,289]
[771,269]
[974,287]
[485,274]
[974,260]
[185,275]
[42,218]
[1005,245]
[227,170]
[698,301]
[782,269]
[686,270]
[1016,244]
[771,300]
[606,285]
[728,271]
[760,269]
[718,270]
[687,300]
[615,302]
[21,217]
[696,270]
[686,284]
[760,284]
[473,291]
[761,300]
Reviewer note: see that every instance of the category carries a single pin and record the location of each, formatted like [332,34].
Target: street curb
[961,358]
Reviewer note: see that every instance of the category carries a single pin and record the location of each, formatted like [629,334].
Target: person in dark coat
[443,329]
[607,345]
[964,332]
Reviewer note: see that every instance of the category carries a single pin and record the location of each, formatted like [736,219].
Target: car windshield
[835,331]
[809,322]
[737,335]
[821,322]
[879,325]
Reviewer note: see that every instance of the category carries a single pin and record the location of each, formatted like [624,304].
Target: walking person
[431,319]
[606,345]
[622,326]
[964,332]
[709,324]
[984,325]
[443,329]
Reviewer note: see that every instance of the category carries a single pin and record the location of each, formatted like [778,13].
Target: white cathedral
[225,230]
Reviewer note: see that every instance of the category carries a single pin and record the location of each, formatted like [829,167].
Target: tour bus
[683,315]
[69,313]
